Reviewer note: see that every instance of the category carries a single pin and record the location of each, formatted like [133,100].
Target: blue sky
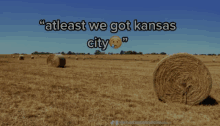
[197,25]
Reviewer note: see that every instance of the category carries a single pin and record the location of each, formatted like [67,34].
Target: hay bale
[213,60]
[32,57]
[13,56]
[68,56]
[21,57]
[84,58]
[182,78]
[56,60]
[77,58]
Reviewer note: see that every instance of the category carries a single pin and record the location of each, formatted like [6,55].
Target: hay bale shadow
[64,67]
[209,101]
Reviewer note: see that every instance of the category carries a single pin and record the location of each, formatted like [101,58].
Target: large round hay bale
[182,78]
[21,57]
[32,57]
[77,58]
[56,60]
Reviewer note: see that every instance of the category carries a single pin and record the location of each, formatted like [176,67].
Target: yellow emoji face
[115,42]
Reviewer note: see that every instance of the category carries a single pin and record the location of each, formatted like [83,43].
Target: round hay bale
[56,60]
[21,57]
[68,56]
[84,58]
[213,60]
[13,56]
[77,58]
[182,78]
[32,57]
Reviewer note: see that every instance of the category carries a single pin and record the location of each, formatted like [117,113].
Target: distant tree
[97,52]
[69,53]
[134,52]
[140,53]
[128,52]
[153,53]
[163,53]
[58,52]
[36,52]
[122,52]
[63,52]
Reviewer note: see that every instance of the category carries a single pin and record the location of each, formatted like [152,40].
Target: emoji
[115,42]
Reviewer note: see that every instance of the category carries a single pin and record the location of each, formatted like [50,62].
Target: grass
[94,92]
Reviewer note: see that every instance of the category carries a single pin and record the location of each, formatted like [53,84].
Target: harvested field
[95,91]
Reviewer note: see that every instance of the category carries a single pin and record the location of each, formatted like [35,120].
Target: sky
[197,25]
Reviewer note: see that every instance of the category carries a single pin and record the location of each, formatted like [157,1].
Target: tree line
[98,52]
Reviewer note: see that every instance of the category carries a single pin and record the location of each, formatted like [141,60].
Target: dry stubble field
[94,92]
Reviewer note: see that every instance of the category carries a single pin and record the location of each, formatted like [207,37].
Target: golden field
[95,91]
